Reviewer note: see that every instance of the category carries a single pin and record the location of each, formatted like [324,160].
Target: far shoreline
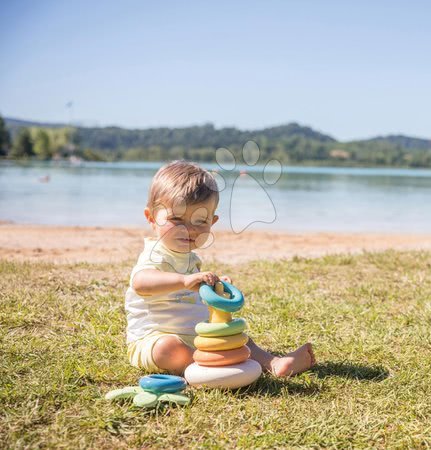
[291,166]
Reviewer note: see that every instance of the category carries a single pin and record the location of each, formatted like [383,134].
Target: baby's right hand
[194,280]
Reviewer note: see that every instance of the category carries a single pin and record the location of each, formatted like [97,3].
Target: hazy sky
[349,69]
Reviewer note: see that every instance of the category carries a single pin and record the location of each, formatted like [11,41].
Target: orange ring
[213,344]
[222,357]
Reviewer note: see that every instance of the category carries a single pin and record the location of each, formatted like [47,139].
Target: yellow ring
[214,344]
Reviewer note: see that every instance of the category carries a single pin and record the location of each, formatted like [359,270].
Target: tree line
[43,144]
[290,144]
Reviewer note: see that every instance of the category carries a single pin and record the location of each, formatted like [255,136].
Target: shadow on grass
[267,385]
[350,370]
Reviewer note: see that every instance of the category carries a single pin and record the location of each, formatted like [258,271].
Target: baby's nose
[192,229]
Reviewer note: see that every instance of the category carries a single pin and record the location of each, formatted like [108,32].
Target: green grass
[369,316]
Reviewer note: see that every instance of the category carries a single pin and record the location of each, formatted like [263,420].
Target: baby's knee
[172,354]
[168,346]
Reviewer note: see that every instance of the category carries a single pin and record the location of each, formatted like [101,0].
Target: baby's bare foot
[295,362]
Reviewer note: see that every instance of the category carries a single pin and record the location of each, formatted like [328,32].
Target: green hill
[405,142]
[291,144]
[113,138]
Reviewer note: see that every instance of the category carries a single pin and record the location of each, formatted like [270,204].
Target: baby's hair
[181,181]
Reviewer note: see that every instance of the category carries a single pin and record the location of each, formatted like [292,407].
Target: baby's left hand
[226,278]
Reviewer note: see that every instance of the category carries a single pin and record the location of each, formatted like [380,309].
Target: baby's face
[183,228]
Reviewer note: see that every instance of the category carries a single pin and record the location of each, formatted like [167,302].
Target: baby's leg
[172,354]
[293,363]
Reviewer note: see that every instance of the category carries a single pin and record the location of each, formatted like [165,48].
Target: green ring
[179,399]
[146,399]
[206,329]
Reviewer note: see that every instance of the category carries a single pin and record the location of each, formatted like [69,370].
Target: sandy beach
[65,244]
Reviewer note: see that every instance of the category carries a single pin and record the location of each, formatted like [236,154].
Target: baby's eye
[175,219]
[200,216]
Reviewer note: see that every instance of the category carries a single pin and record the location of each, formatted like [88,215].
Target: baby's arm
[156,282]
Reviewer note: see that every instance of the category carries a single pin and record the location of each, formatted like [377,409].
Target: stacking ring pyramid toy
[222,356]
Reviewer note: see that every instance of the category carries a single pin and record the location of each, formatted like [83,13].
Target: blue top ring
[161,383]
[210,298]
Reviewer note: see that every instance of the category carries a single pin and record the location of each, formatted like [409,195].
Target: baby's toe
[312,356]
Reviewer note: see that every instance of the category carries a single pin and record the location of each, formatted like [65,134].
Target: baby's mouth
[187,240]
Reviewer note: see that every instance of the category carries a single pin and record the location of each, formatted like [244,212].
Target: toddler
[162,302]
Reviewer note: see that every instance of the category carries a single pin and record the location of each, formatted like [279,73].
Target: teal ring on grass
[160,383]
[207,329]
[211,298]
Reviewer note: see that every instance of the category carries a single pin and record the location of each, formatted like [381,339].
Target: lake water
[303,199]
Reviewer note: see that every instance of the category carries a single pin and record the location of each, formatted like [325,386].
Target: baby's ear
[215,218]
[148,215]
